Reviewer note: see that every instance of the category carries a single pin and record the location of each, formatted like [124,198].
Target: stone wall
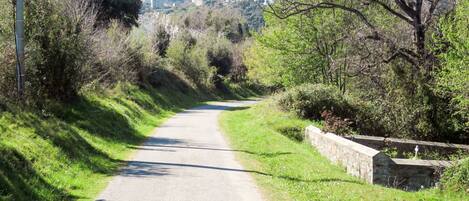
[405,145]
[415,174]
[359,160]
[374,166]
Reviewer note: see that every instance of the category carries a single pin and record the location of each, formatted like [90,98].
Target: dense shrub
[453,79]
[368,119]
[7,72]
[67,51]
[335,124]
[190,60]
[219,54]
[456,178]
[7,52]
[58,47]
[310,100]
[342,113]
[116,58]
[161,40]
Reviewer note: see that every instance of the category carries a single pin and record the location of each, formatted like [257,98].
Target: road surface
[187,158]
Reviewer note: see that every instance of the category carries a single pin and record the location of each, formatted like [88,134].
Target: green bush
[310,100]
[7,71]
[341,112]
[368,118]
[191,60]
[58,38]
[453,78]
[7,52]
[456,178]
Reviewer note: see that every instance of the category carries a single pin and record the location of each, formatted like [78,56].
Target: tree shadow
[19,180]
[70,142]
[238,108]
[148,169]
[169,144]
[103,121]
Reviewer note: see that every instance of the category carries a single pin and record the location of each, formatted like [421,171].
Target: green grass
[69,152]
[290,170]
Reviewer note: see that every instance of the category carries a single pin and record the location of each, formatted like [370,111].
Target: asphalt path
[187,158]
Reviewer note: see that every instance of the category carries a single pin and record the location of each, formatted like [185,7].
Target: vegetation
[309,101]
[295,171]
[399,59]
[100,75]
[96,85]
[456,177]
[453,79]
[68,152]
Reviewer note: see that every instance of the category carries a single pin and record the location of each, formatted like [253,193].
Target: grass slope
[70,152]
[290,170]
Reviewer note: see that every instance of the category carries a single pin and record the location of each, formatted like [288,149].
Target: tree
[418,15]
[312,49]
[453,79]
[388,53]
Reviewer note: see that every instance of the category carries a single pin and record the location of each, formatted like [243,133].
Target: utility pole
[19,39]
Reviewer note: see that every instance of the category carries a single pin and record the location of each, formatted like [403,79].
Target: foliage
[456,177]
[189,59]
[264,65]
[65,51]
[342,113]
[117,58]
[219,54]
[373,55]
[223,21]
[282,166]
[93,92]
[58,39]
[207,46]
[162,39]
[295,51]
[7,57]
[252,11]
[310,100]
[335,124]
[453,79]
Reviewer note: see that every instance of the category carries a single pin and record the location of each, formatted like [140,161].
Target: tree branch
[392,11]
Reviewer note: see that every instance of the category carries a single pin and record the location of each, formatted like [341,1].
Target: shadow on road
[143,168]
[171,145]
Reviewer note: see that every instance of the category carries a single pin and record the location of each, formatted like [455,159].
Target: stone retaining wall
[359,160]
[374,166]
[404,145]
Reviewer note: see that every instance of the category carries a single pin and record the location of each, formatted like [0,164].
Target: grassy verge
[295,171]
[69,152]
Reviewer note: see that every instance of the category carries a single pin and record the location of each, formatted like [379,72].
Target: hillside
[69,152]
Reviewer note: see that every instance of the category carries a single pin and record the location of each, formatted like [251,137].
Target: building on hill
[164,4]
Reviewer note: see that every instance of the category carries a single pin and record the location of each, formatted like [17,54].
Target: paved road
[187,158]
